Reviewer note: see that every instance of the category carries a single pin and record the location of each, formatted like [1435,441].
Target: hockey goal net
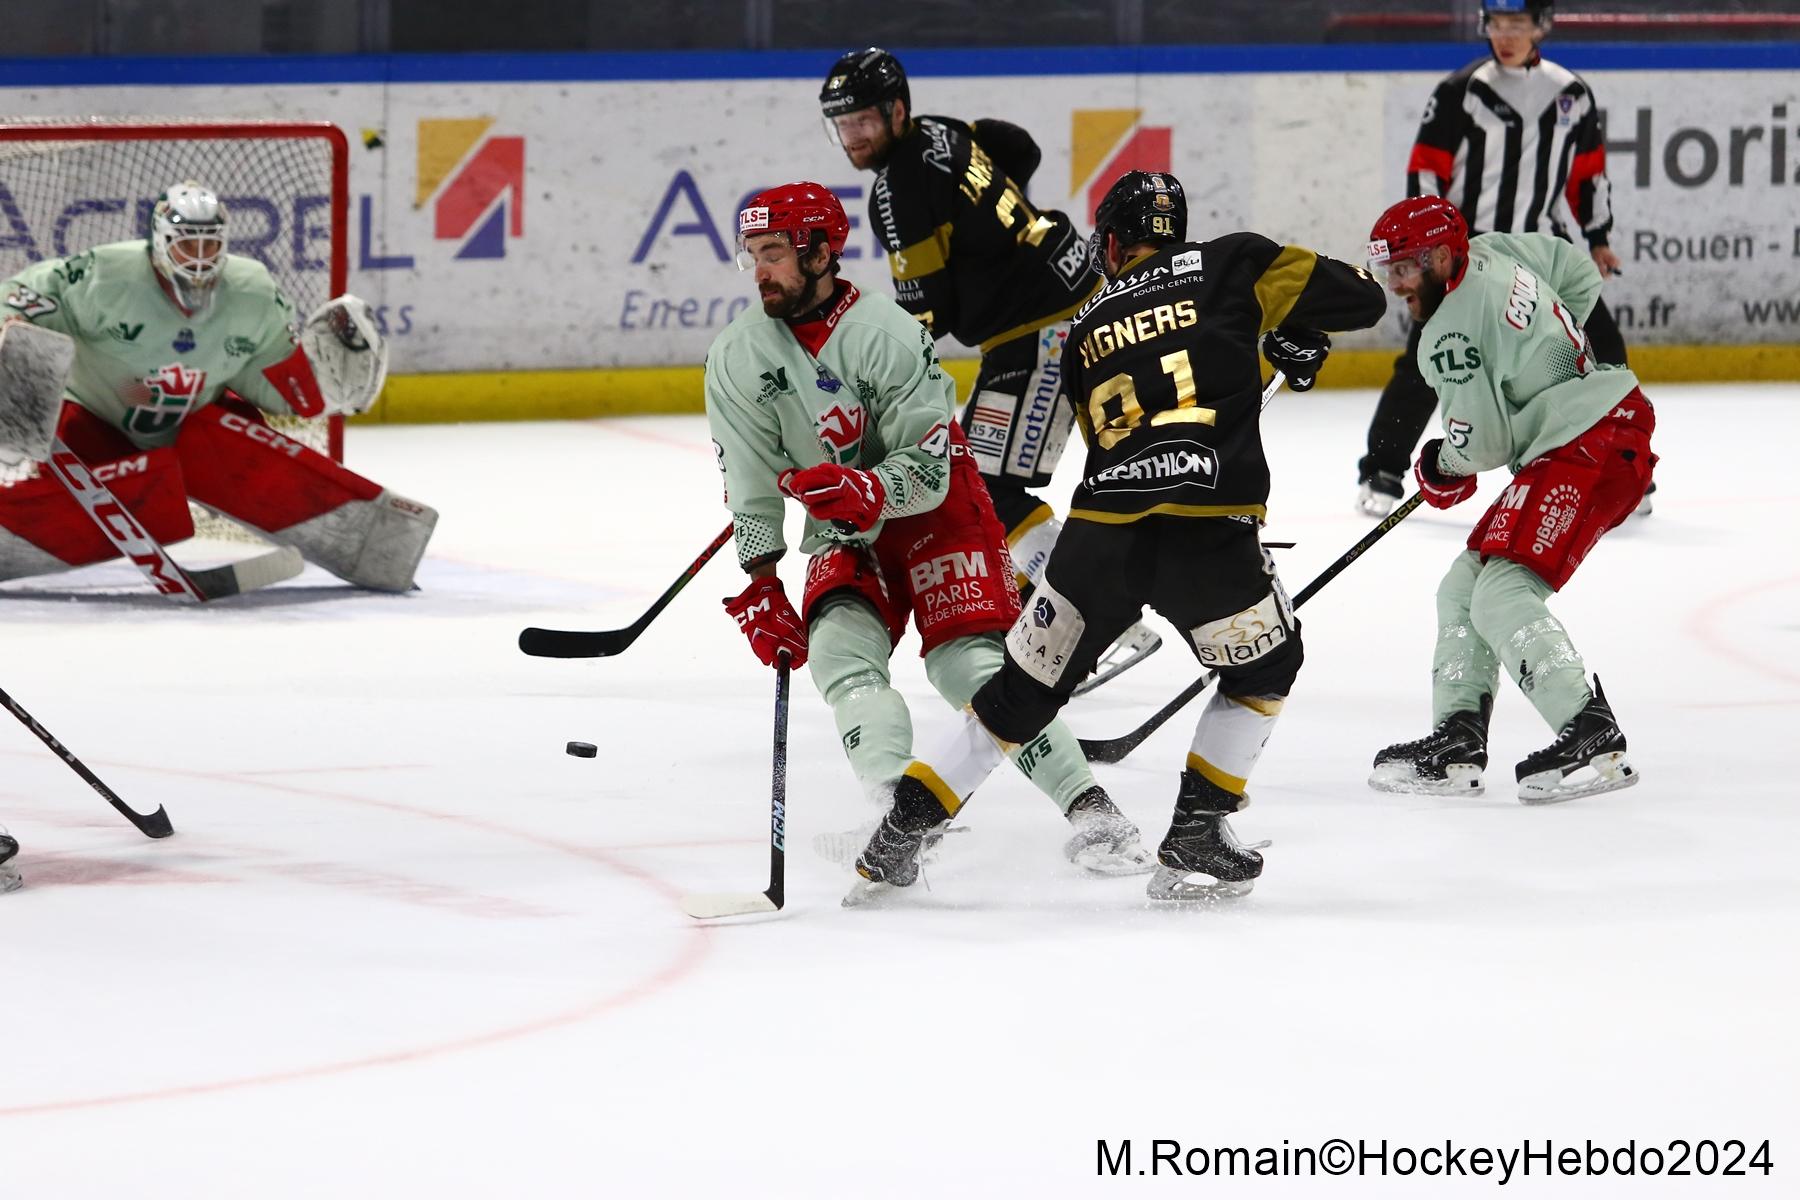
[70,183]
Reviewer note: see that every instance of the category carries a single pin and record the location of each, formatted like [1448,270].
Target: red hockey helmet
[1406,231]
[796,209]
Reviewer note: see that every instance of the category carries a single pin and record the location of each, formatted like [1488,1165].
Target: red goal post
[69,183]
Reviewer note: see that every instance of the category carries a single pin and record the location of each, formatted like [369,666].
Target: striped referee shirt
[1517,149]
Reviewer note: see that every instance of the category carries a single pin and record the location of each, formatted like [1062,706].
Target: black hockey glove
[1298,354]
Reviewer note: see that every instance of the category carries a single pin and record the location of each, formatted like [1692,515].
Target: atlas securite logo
[474,183]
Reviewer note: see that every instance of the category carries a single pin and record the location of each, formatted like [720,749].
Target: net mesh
[68,184]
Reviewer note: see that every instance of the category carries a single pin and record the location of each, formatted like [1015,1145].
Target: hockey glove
[834,493]
[1441,490]
[762,611]
[1298,354]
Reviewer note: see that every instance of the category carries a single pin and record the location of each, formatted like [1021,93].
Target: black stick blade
[574,643]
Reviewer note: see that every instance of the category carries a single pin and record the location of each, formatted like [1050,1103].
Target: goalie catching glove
[1298,354]
[347,353]
[768,619]
[834,493]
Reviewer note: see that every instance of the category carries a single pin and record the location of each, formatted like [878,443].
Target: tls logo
[478,181]
[840,429]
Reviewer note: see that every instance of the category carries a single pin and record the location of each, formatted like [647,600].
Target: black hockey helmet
[863,79]
[1143,206]
[1541,12]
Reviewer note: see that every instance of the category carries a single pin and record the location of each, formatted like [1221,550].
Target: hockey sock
[1509,613]
[1463,666]
[847,653]
[1230,738]
[1052,760]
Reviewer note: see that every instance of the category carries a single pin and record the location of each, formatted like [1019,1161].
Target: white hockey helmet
[187,242]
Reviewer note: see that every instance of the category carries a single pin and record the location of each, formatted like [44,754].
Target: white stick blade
[709,906]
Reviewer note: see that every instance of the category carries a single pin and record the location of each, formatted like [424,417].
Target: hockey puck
[581,749]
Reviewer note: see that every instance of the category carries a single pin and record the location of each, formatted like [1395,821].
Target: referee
[1514,141]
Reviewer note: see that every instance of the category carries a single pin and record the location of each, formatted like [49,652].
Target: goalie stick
[1112,750]
[132,540]
[707,906]
[152,825]
[604,643]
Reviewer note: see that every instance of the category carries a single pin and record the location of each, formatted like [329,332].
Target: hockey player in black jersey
[1163,365]
[1514,141]
[973,259]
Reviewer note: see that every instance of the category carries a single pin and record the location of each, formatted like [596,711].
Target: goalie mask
[187,242]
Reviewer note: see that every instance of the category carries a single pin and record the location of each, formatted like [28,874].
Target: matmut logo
[1105,143]
[474,182]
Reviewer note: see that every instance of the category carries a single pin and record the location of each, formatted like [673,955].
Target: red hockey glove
[1440,490]
[833,493]
[762,611]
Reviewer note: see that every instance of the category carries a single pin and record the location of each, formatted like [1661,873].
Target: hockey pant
[1210,577]
[228,460]
[1491,603]
[1017,422]
[847,651]
[1407,402]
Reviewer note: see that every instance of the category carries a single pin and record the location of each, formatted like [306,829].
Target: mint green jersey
[876,397]
[1506,354]
[141,364]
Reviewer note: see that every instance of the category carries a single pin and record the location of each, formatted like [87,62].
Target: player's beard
[1430,293]
[780,300]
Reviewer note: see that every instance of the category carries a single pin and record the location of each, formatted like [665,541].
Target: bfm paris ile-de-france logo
[1105,143]
[474,182]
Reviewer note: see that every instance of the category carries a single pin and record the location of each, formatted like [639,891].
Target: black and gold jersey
[971,257]
[1165,374]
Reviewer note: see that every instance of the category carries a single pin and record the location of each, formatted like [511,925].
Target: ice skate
[1647,505]
[891,859]
[1105,842]
[9,874]
[1377,495]
[1200,859]
[1587,758]
[842,846]
[1448,761]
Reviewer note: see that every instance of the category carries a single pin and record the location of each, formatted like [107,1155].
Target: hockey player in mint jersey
[1168,513]
[1514,141]
[835,397]
[1502,346]
[973,259]
[181,347]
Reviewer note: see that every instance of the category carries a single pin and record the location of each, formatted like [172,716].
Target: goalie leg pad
[43,529]
[235,464]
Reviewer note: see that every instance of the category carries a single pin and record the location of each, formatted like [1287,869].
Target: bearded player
[834,397]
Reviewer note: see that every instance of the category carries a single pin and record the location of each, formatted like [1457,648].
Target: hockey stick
[706,906]
[1112,750]
[153,825]
[576,643]
[132,540]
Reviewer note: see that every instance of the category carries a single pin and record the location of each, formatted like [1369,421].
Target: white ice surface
[401,945]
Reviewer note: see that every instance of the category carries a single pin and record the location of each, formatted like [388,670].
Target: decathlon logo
[475,184]
[1161,467]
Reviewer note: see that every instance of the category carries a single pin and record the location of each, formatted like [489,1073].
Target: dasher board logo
[1104,143]
[475,184]
[1161,467]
